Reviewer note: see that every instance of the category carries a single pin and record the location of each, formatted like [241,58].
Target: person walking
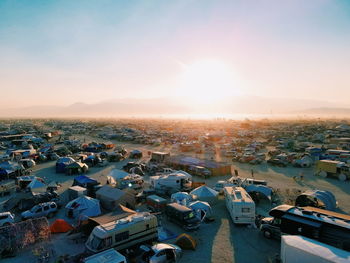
[252,171]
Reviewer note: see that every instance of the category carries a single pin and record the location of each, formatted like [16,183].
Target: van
[182,216]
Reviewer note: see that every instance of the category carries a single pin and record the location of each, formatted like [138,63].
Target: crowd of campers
[124,215]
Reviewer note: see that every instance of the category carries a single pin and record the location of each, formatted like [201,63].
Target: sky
[63,52]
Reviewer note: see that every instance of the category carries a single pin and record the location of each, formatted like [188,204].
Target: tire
[323,174]
[342,177]
[267,234]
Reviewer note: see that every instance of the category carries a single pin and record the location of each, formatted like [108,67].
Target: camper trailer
[240,205]
[124,233]
[171,183]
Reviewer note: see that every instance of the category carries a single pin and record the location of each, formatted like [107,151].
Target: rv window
[121,236]
[95,243]
[245,210]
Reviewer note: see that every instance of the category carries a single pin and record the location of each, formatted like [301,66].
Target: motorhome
[240,205]
[328,168]
[110,256]
[172,183]
[325,226]
[124,233]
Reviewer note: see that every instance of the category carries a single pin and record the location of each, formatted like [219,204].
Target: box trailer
[296,249]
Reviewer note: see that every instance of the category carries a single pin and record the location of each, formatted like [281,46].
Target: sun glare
[207,81]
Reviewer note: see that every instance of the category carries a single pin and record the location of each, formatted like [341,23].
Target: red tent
[60,226]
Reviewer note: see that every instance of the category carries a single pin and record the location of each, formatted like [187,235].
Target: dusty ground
[220,241]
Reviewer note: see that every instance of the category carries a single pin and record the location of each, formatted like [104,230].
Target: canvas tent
[76,168]
[317,198]
[37,186]
[111,197]
[62,163]
[204,193]
[186,241]
[84,181]
[83,206]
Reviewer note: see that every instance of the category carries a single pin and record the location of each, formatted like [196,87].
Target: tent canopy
[35,184]
[204,191]
[262,189]
[186,241]
[317,198]
[84,180]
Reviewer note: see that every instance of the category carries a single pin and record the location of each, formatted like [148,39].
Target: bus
[325,226]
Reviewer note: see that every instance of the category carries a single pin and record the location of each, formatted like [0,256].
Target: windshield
[190,215]
[34,209]
[94,242]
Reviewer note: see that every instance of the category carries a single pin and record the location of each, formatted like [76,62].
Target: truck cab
[271,227]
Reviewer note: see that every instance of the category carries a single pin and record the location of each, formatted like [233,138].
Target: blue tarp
[83,180]
[326,197]
[260,189]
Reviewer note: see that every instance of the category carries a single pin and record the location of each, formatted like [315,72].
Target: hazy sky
[62,52]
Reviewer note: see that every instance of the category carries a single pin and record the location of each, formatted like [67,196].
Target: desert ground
[219,241]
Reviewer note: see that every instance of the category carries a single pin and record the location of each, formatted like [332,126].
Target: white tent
[201,209]
[118,174]
[36,186]
[204,193]
[83,206]
[295,249]
[181,198]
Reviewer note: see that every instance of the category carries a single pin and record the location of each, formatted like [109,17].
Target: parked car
[47,209]
[6,218]
[161,253]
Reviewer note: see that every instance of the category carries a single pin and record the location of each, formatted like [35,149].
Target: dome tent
[201,209]
[60,226]
[83,206]
[181,198]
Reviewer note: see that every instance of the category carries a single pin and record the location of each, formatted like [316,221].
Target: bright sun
[207,81]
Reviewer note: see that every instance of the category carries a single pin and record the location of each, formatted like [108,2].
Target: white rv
[173,182]
[240,205]
[124,233]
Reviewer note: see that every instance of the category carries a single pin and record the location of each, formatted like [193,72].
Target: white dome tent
[201,209]
[181,198]
[83,206]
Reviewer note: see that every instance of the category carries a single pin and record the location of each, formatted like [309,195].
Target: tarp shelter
[261,189]
[201,209]
[60,226]
[37,186]
[317,198]
[186,242]
[204,193]
[83,206]
[84,181]
[118,213]
[111,197]
[76,168]
[296,249]
[62,163]
[181,198]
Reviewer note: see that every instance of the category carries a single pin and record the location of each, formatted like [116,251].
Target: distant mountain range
[164,107]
